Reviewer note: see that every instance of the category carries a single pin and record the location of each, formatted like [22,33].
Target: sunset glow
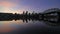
[18,6]
[6,7]
[29,16]
[6,25]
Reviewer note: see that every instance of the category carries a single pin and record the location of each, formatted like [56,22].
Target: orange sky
[13,6]
[6,5]
[7,26]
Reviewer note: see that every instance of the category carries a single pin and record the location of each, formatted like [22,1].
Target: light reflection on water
[9,26]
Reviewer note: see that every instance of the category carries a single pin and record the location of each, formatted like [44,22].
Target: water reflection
[11,25]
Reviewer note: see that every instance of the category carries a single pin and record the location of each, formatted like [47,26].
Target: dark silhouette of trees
[23,12]
[26,12]
[26,15]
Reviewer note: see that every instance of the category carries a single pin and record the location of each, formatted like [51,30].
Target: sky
[18,6]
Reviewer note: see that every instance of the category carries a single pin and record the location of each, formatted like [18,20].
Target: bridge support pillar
[58,16]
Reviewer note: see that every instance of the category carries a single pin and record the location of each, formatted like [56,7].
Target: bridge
[52,12]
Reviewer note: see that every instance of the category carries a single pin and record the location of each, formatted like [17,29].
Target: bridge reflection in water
[26,24]
[19,25]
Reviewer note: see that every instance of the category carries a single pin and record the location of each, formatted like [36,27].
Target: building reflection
[11,24]
[49,19]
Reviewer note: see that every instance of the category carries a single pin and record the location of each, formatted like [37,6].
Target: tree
[26,12]
[23,12]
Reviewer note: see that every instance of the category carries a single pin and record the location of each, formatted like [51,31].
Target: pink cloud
[8,3]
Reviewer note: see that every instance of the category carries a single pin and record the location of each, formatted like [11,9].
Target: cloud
[7,4]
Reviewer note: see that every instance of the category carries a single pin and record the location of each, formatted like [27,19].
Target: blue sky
[33,5]
[40,5]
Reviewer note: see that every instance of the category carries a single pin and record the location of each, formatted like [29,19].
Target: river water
[27,26]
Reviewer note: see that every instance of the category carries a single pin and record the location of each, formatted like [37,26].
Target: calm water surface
[32,26]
